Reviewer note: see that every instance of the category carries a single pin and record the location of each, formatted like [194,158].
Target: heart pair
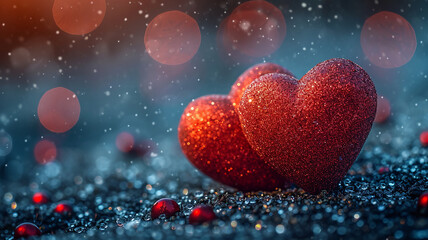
[273,129]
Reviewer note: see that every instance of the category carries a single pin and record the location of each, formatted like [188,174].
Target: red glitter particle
[424,138]
[25,230]
[40,198]
[165,206]
[310,130]
[249,76]
[211,137]
[423,203]
[202,214]
[63,208]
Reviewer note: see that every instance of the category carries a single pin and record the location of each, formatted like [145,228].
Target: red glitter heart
[211,137]
[251,74]
[310,130]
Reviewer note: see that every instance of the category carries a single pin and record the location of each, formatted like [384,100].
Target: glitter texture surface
[249,76]
[211,137]
[310,130]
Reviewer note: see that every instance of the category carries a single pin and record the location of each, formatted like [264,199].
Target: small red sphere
[424,138]
[40,198]
[63,208]
[423,203]
[388,40]
[165,206]
[202,214]
[25,230]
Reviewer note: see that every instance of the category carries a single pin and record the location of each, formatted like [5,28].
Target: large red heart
[310,130]
[211,137]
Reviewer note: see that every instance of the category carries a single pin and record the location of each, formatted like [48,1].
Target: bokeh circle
[172,38]
[59,110]
[78,17]
[388,40]
[255,28]
[45,152]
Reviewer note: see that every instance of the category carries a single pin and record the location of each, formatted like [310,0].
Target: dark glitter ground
[368,203]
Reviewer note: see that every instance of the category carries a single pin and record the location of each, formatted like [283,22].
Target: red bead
[40,198]
[202,214]
[25,230]
[424,138]
[423,203]
[63,208]
[164,206]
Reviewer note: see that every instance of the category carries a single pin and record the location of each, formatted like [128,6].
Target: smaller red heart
[310,130]
[211,137]
[251,74]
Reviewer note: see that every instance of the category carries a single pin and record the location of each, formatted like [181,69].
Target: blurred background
[132,85]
